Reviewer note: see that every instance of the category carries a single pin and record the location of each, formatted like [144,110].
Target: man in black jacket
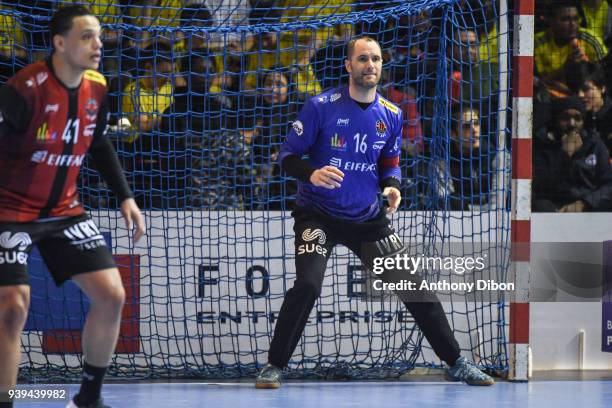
[572,171]
[588,82]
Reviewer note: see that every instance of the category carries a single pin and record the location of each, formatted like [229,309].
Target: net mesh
[201,98]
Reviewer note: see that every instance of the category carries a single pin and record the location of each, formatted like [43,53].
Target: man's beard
[359,81]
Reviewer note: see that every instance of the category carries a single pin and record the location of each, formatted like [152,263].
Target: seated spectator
[327,64]
[194,15]
[565,42]
[224,13]
[147,97]
[265,11]
[477,177]
[598,19]
[571,169]
[588,82]
[409,55]
[194,109]
[236,63]
[108,12]
[278,104]
[489,34]
[12,45]
[472,79]
[143,103]
[147,14]
[298,47]
[34,14]
[189,121]
[223,171]
[262,55]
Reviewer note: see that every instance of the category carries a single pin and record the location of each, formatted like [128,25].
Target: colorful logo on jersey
[43,135]
[91,109]
[338,143]
[381,128]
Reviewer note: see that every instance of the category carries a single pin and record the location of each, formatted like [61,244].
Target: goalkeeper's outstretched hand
[394,198]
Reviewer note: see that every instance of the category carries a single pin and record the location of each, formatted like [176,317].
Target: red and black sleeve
[105,157]
[15,113]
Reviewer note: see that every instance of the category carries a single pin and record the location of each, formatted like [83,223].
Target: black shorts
[367,239]
[68,246]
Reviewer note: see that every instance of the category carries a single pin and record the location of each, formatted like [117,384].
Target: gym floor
[590,391]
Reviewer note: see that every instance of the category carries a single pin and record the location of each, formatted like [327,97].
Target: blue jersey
[332,129]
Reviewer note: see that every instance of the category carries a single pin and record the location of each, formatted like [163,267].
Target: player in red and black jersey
[53,113]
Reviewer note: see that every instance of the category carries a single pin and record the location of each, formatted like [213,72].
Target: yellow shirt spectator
[106,10]
[298,47]
[162,13]
[549,56]
[314,10]
[11,36]
[599,19]
[489,46]
[156,13]
[140,102]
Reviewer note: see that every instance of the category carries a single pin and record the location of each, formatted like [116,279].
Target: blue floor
[536,394]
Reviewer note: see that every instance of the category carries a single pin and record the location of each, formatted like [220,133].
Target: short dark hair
[61,22]
[276,69]
[157,51]
[198,13]
[198,53]
[561,105]
[350,46]
[559,5]
[581,73]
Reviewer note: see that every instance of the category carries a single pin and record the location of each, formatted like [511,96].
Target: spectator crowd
[202,93]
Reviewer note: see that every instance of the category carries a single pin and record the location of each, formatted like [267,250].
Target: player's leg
[16,240]
[86,260]
[423,305]
[313,246]
[106,296]
[14,301]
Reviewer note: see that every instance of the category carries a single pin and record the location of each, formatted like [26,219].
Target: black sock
[4,398]
[91,385]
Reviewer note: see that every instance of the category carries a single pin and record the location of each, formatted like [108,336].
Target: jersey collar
[347,94]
